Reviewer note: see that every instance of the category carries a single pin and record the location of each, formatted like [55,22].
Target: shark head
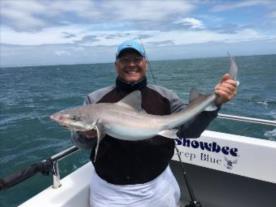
[85,118]
[73,119]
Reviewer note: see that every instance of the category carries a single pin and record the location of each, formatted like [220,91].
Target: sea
[28,95]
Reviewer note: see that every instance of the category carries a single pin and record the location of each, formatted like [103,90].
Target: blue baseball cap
[131,44]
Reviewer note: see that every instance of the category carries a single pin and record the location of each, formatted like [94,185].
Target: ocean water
[30,94]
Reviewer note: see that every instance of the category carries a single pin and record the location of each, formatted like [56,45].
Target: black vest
[132,162]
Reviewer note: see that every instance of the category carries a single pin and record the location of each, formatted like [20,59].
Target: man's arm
[198,124]
[225,90]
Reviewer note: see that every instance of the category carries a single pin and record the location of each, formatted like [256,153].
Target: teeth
[131,71]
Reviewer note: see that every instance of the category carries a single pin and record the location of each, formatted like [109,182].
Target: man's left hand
[226,89]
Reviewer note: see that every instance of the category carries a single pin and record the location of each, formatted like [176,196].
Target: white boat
[224,170]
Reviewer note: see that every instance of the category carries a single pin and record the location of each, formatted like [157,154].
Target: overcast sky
[47,32]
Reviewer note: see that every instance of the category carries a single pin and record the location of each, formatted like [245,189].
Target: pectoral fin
[100,135]
[169,133]
[211,107]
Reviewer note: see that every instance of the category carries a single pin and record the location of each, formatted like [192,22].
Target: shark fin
[100,135]
[194,94]
[132,101]
[211,107]
[233,70]
[169,133]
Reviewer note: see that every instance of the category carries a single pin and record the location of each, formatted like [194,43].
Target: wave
[271,135]
[272,114]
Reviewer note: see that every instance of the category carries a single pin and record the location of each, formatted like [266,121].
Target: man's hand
[225,90]
[91,134]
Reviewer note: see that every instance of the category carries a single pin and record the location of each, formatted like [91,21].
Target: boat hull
[224,170]
[213,188]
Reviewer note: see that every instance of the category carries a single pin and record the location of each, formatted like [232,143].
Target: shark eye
[75,118]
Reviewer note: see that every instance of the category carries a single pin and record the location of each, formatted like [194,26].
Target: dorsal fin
[196,96]
[194,93]
[133,101]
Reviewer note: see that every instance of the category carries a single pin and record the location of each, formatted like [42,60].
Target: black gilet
[133,162]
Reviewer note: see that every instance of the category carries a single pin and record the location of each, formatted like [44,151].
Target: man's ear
[147,63]
[116,65]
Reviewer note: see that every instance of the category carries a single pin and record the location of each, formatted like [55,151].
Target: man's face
[131,66]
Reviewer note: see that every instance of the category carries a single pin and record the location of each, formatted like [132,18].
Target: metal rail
[64,153]
[55,169]
[45,167]
[247,119]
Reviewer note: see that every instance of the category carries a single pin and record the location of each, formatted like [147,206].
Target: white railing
[247,119]
[57,157]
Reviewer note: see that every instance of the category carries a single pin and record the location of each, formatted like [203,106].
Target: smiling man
[131,63]
[137,173]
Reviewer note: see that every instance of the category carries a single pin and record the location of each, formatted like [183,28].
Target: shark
[127,120]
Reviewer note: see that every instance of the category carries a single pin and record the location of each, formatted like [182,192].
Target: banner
[245,156]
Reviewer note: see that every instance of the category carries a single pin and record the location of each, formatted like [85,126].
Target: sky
[51,32]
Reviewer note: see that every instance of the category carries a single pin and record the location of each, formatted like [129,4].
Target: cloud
[161,43]
[69,35]
[36,15]
[239,4]
[184,37]
[62,53]
[42,28]
[86,37]
[190,23]
[273,14]
[21,15]
[148,10]
[54,35]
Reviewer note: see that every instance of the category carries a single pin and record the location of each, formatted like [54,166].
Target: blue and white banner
[245,156]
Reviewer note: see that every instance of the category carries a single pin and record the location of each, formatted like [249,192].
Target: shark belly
[130,133]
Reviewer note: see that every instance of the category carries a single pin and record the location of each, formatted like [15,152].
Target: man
[137,173]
